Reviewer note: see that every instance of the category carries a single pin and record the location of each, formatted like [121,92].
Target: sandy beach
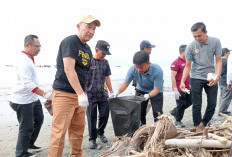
[9,129]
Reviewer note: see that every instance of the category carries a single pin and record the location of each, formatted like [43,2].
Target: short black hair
[198,25]
[141,57]
[29,39]
[182,48]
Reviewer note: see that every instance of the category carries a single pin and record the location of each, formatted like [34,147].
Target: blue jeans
[30,118]
[211,92]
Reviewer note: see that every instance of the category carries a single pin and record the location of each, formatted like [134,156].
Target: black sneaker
[179,124]
[103,138]
[34,147]
[92,144]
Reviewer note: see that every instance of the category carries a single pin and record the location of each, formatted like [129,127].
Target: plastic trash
[125,114]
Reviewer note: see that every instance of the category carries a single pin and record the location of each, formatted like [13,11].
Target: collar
[149,72]
[30,56]
[181,58]
[206,43]
[83,44]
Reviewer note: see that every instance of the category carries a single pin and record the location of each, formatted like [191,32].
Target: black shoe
[92,144]
[103,138]
[34,147]
[29,154]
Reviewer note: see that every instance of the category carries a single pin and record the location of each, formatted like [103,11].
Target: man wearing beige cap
[69,95]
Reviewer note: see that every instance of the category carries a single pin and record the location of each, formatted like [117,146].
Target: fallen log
[195,143]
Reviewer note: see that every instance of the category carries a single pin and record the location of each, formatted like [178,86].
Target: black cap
[146,44]
[225,50]
[104,46]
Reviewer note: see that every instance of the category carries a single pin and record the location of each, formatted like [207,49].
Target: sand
[9,129]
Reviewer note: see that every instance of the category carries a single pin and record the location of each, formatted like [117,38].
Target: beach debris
[162,139]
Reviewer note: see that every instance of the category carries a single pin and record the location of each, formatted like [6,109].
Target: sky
[124,24]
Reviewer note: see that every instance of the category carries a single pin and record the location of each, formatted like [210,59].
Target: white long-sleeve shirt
[229,70]
[26,80]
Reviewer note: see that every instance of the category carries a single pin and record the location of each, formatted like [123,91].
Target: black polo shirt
[73,47]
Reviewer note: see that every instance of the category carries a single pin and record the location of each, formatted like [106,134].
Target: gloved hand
[114,94]
[48,106]
[211,77]
[146,97]
[187,91]
[83,100]
[177,94]
[47,95]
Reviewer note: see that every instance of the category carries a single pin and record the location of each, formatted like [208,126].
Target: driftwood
[195,143]
[146,140]
[160,140]
[216,137]
[199,133]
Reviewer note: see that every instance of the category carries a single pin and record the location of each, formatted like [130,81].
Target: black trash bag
[125,114]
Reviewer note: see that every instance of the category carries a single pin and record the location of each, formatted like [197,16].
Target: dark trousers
[30,118]
[211,92]
[185,100]
[156,104]
[103,108]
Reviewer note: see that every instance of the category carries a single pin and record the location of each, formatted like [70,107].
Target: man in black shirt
[98,75]
[225,94]
[69,97]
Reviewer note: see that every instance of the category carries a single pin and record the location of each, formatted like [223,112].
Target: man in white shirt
[24,98]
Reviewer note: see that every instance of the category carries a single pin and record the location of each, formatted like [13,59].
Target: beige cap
[89,19]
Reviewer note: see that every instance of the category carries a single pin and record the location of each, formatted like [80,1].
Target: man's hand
[114,94]
[182,86]
[187,91]
[48,106]
[229,86]
[146,97]
[83,100]
[177,94]
[47,95]
[213,79]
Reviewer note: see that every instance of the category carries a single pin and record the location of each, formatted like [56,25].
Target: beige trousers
[66,115]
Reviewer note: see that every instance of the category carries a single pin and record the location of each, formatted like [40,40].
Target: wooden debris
[163,139]
[191,143]
[220,139]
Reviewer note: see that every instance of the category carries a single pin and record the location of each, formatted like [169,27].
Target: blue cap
[146,44]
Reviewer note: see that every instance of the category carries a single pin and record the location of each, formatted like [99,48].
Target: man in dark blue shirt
[149,78]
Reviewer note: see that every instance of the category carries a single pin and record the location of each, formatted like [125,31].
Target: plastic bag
[125,114]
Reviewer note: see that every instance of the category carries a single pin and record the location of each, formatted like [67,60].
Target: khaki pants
[66,115]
